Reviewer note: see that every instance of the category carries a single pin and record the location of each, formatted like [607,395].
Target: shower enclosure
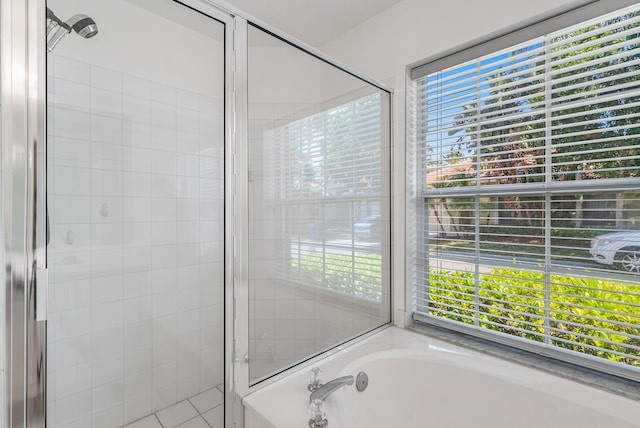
[318,193]
[135,186]
[191,206]
[130,233]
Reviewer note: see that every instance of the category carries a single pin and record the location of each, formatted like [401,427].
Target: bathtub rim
[463,361]
[266,407]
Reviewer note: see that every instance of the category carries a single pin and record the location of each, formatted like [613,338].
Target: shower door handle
[42,293]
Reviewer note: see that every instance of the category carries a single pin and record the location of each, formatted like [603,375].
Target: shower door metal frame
[23,203]
[232,404]
[23,109]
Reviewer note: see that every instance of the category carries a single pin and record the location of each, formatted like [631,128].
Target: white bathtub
[417,381]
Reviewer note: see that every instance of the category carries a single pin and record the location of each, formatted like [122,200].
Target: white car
[618,247]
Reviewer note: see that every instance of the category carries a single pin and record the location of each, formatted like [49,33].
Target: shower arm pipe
[51,26]
[54,22]
[52,16]
[51,43]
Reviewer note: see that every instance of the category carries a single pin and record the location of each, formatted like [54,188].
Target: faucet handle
[314,379]
[318,414]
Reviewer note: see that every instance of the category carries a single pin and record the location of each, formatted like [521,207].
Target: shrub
[587,315]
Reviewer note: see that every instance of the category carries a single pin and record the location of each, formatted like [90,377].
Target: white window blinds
[529,176]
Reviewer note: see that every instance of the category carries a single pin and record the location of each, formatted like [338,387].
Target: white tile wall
[136,205]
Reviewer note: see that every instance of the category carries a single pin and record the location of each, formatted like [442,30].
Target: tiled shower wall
[135,196]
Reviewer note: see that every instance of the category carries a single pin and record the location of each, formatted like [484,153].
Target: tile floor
[205,410]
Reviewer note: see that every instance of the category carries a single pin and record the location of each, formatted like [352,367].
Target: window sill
[610,383]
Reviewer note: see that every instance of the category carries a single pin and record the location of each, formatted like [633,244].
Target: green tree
[595,133]
[593,79]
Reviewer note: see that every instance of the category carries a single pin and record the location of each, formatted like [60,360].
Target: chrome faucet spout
[325,390]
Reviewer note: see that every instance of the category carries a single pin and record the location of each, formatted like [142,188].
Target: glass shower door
[318,189]
[135,196]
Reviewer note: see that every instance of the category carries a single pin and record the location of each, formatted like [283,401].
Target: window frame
[416,238]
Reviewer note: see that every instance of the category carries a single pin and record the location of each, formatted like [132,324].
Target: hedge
[591,316]
[587,315]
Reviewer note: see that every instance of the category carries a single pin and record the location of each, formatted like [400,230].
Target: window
[527,190]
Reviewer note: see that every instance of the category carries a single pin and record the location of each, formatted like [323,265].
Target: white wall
[382,48]
[416,29]
[300,82]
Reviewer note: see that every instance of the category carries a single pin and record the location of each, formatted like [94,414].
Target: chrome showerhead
[83,25]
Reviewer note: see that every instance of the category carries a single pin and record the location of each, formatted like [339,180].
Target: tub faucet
[325,390]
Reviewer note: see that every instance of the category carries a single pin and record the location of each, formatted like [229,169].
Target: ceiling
[313,22]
